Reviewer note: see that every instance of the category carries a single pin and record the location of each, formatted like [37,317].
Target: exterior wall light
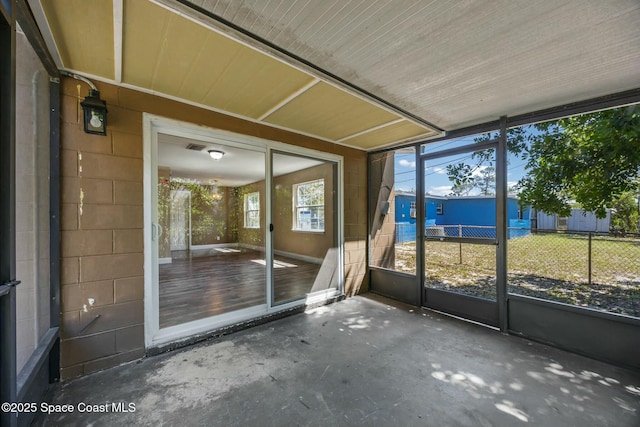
[94,109]
[95,113]
[216,154]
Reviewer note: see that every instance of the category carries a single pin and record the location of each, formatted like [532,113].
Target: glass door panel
[32,183]
[460,223]
[210,230]
[304,224]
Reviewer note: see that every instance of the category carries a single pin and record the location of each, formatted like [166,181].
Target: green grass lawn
[548,266]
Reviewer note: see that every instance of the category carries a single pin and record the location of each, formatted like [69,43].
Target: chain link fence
[584,269]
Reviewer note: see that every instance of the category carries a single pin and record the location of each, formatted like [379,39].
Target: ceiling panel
[142,44]
[330,112]
[177,54]
[181,44]
[253,83]
[401,131]
[83,33]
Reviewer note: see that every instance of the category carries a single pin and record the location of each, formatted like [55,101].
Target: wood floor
[196,285]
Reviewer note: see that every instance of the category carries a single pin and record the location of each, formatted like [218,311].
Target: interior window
[252,210]
[309,206]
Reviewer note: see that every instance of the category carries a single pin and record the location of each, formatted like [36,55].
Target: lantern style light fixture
[216,154]
[94,109]
[95,113]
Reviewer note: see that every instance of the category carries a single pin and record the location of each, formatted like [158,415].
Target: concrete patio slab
[365,361]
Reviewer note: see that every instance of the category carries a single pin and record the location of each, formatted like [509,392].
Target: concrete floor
[366,361]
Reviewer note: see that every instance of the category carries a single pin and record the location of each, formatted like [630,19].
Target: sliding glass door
[210,229]
[305,251]
[239,229]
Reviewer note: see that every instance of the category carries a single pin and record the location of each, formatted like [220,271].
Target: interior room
[211,227]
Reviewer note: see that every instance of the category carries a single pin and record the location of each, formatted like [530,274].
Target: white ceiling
[236,168]
[457,63]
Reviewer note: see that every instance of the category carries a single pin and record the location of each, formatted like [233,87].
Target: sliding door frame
[154,125]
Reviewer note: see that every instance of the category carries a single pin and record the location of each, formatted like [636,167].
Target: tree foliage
[481,174]
[591,159]
[624,213]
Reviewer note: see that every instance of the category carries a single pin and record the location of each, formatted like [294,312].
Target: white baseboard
[300,257]
[291,255]
[213,246]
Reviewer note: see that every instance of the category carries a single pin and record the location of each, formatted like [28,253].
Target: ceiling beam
[362,132]
[118,15]
[289,98]
[45,31]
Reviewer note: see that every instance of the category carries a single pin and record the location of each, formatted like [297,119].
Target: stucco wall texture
[102,220]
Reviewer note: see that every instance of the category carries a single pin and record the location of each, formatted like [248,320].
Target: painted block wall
[403,208]
[466,211]
[455,211]
[102,220]
[469,212]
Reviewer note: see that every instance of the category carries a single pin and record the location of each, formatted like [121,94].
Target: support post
[501,226]
[589,258]
[54,224]
[420,226]
[460,244]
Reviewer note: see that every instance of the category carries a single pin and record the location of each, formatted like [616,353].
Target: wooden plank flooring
[217,281]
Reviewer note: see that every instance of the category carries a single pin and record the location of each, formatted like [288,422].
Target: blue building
[469,216]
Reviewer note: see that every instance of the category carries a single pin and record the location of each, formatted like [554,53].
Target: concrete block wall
[383,227]
[101,238]
[102,220]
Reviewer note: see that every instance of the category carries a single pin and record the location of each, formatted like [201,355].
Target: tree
[462,189]
[486,181]
[483,178]
[590,159]
[624,213]
[461,175]
[482,175]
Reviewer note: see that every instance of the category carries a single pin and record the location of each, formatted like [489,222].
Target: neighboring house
[476,215]
[579,220]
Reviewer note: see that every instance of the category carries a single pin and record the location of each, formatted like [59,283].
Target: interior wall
[250,237]
[309,243]
[102,220]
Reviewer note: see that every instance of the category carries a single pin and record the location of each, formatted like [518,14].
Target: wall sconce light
[94,109]
[95,113]
[216,154]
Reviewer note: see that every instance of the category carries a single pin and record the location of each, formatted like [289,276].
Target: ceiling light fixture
[216,154]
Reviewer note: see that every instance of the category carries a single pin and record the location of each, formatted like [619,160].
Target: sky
[436,180]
